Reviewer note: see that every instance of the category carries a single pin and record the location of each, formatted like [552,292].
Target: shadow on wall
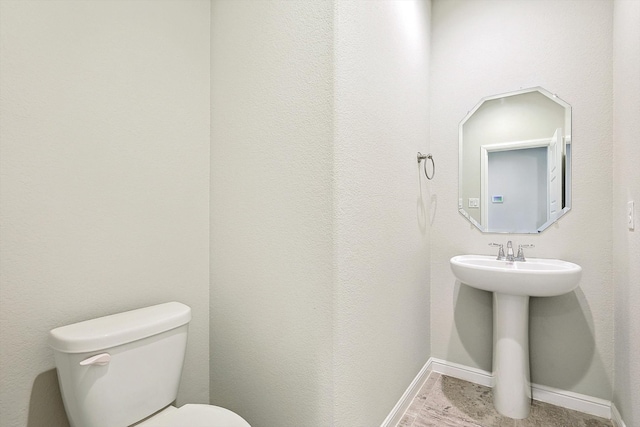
[421,205]
[45,406]
[473,317]
[422,209]
[561,339]
[562,342]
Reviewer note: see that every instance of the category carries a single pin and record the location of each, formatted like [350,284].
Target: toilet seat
[195,415]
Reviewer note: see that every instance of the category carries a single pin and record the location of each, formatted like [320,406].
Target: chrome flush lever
[99,359]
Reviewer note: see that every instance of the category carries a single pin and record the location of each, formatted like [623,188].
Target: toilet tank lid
[117,329]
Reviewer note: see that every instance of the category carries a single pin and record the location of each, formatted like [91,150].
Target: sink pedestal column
[512,384]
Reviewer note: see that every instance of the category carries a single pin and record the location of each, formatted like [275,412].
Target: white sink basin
[512,283]
[535,277]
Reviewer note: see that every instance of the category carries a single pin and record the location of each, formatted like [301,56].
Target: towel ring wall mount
[426,157]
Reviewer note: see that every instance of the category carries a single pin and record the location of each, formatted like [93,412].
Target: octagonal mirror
[515,162]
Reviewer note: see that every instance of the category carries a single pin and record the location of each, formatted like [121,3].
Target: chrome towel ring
[424,157]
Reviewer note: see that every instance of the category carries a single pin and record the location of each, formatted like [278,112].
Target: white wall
[382,205]
[271,210]
[104,131]
[626,187]
[319,217]
[486,47]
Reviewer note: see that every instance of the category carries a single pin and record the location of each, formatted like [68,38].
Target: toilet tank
[116,370]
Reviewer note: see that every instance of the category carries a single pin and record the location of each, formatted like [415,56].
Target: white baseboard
[616,417]
[467,373]
[401,407]
[563,398]
[570,400]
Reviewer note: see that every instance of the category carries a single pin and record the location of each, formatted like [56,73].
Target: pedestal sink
[512,283]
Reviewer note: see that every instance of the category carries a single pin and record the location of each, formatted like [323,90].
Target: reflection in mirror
[515,162]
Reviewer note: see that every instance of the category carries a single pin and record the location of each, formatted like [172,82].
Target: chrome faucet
[500,250]
[510,257]
[520,256]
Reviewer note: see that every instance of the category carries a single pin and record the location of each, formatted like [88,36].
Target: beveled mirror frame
[509,123]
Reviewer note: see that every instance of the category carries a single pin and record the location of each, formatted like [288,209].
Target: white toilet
[124,370]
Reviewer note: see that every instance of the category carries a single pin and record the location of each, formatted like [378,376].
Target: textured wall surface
[626,187]
[104,130]
[325,235]
[319,217]
[481,48]
[271,211]
[382,205]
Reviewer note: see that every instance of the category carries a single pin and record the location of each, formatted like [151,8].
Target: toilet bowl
[194,415]
[124,370]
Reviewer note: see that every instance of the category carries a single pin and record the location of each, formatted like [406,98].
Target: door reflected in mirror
[515,162]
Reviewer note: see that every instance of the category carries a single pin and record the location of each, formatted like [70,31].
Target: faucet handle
[520,256]
[500,250]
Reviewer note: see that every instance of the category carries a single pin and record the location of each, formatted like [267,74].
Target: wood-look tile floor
[449,402]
